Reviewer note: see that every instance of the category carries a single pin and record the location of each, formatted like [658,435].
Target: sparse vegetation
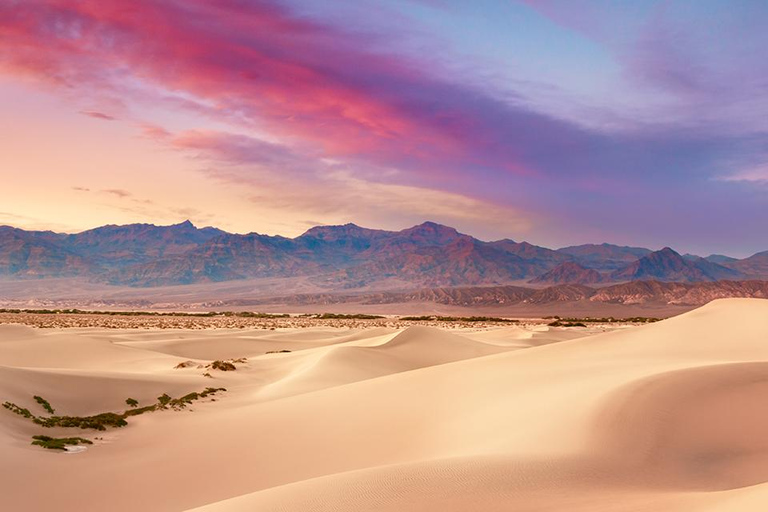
[15,409]
[435,318]
[284,351]
[223,366]
[563,323]
[185,364]
[111,419]
[44,403]
[58,443]
[606,320]
[241,314]
[339,316]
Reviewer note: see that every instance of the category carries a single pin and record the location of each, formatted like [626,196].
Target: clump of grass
[44,403]
[608,320]
[97,422]
[58,443]
[223,366]
[15,409]
[132,402]
[563,323]
[284,351]
[112,419]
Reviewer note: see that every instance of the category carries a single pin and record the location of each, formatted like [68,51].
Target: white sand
[670,416]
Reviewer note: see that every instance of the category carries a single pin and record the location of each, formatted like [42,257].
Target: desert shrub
[97,422]
[60,443]
[140,410]
[224,366]
[283,351]
[338,316]
[563,323]
[164,399]
[111,419]
[44,403]
[434,318]
[15,409]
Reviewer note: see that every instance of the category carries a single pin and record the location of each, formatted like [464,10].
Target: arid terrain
[386,414]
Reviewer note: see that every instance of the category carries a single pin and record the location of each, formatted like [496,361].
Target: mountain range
[347,257]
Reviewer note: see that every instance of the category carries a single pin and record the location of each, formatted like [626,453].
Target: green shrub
[132,402]
[224,366]
[563,323]
[338,316]
[60,443]
[44,403]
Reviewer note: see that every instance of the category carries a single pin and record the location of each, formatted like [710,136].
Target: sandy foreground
[666,416]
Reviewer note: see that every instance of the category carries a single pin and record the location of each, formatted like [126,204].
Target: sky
[557,122]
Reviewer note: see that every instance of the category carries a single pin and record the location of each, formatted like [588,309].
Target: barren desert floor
[668,416]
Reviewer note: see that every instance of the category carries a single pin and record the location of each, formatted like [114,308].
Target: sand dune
[667,416]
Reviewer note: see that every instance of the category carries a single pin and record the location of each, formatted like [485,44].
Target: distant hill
[643,293]
[569,272]
[668,265]
[755,265]
[604,256]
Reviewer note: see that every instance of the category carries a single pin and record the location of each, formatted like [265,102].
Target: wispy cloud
[117,192]
[751,175]
[97,115]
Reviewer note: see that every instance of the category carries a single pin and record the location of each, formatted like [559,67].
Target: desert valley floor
[666,416]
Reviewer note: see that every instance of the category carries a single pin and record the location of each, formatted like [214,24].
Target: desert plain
[671,416]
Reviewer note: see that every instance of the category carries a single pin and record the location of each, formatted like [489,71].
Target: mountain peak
[186,224]
[668,265]
[330,233]
[430,227]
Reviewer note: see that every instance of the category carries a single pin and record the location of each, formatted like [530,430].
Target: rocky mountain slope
[338,258]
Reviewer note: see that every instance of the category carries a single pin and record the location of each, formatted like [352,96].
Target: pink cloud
[303,80]
[97,115]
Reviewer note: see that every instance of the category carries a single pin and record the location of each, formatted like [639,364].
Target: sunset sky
[556,122]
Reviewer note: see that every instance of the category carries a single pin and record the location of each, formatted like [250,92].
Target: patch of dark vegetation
[97,422]
[606,320]
[58,443]
[222,366]
[112,419]
[563,323]
[226,365]
[339,316]
[241,314]
[185,364]
[434,318]
[284,351]
[15,409]
[44,404]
